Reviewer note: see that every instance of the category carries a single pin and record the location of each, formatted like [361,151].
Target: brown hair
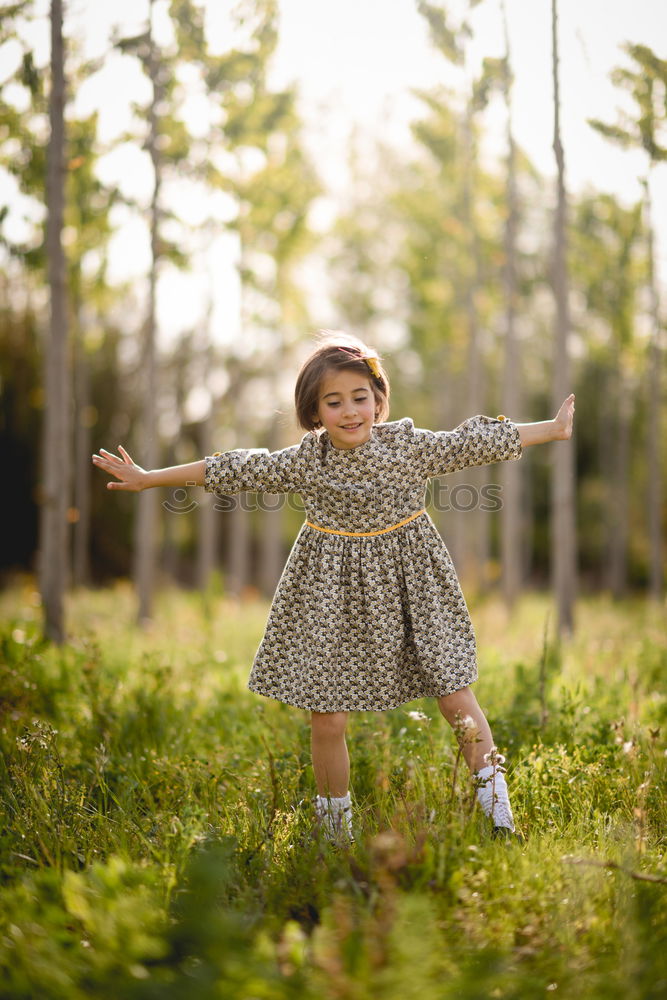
[338,351]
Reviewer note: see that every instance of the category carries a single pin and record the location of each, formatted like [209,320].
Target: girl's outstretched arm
[558,429]
[132,477]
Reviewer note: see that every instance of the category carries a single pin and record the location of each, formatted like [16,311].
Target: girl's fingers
[110,455]
[104,465]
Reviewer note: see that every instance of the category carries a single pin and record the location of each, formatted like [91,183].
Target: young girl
[368,613]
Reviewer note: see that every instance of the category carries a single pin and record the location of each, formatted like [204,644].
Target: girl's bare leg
[492,789]
[331,762]
[464,703]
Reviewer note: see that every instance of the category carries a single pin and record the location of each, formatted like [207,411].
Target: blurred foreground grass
[155,831]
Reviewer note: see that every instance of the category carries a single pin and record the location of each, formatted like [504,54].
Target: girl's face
[346,408]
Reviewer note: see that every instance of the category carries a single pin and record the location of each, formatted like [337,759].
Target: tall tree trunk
[238,573]
[476,522]
[237,521]
[442,387]
[563,556]
[510,472]
[208,518]
[147,506]
[605,390]
[271,536]
[82,451]
[448,393]
[654,439]
[620,500]
[179,504]
[54,554]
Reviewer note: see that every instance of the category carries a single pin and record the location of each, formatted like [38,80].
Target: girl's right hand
[132,477]
[563,420]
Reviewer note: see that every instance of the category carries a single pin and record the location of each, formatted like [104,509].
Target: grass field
[156,817]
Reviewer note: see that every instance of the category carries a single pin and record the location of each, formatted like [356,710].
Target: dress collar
[330,449]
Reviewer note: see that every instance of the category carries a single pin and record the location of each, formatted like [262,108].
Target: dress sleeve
[256,469]
[478,440]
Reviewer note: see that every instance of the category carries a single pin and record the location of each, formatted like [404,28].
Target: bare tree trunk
[147,505]
[54,553]
[179,505]
[563,558]
[239,518]
[476,523]
[510,472]
[654,491]
[527,551]
[82,451]
[209,518]
[238,575]
[620,500]
[605,389]
[271,523]
[448,520]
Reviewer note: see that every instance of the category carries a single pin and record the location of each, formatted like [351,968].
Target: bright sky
[355,62]
[362,57]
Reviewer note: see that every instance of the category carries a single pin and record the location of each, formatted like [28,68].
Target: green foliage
[443,35]
[157,824]
[646,82]
[608,257]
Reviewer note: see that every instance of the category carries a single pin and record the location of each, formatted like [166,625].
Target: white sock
[493,796]
[336,816]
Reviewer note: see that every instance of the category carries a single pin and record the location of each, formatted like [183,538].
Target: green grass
[155,836]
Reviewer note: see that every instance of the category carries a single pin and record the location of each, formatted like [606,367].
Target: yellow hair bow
[374,367]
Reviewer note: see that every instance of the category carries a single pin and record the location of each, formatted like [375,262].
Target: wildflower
[418,717]
[493,758]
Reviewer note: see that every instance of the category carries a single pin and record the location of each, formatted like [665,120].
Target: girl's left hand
[563,420]
[132,476]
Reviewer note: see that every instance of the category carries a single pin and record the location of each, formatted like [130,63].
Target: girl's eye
[362,400]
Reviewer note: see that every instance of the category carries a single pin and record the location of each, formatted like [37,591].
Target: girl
[368,613]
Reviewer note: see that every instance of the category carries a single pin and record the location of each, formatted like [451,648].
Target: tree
[166,142]
[510,473]
[146,525]
[54,561]
[608,255]
[453,43]
[272,191]
[207,527]
[646,82]
[87,217]
[563,551]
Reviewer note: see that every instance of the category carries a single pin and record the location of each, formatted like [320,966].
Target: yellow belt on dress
[366,534]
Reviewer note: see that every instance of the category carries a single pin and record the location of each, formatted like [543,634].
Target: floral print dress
[365,618]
